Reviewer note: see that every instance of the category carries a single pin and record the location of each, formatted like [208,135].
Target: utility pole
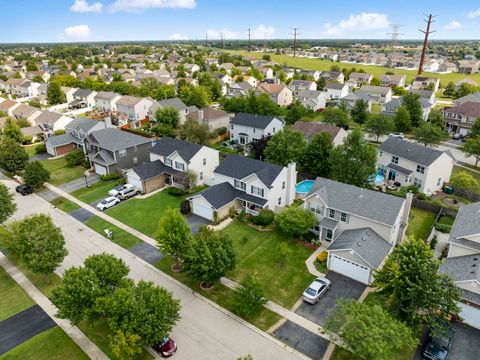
[429,20]
[249,33]
[222,40]
[393,42]
[206,39]
[295,34]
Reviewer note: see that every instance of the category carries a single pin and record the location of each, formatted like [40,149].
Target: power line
[429,20]
[295,34]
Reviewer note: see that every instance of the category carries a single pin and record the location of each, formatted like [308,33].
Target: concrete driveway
[342,288]
[196,222]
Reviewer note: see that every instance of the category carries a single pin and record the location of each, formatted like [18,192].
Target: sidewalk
[72,331]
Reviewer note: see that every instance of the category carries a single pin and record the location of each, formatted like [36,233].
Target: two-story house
[363,225]
[245,128]
[213,118]
[24,111]
[392,80]
[279,93]
[135,108]
[335,91]
[351,99]
[313,99]
[83,98]
[106,101]
[357,79]
[311,128]
[336,76]
[242,183]
[390,108]
[170,160]
[50,121]
[425,82]
[428,95]
[475,97]
[301,85]
[238,89]
[379,94]
[173,102]
[459,119]
[115,151]
[462,262]
[410,163]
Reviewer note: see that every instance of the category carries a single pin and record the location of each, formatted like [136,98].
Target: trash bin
[448,189]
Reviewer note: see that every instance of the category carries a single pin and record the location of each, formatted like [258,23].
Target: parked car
[397,135]
[116,190]
[315,291]
[457,136]
[127,192]
[438,346]
[465,138]
[24,189]
[107,203]
[166,348]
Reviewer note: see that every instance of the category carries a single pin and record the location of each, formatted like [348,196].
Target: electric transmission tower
[394,34]
[429,20]
[295,34]
[249,34]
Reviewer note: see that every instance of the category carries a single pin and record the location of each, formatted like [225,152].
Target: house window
[343,217]
[204,161]
[168,162]
[381,153]
[201,175]
[283,185]
[179,166]
[257,191]
[315,208]
[279,200]
[254,130]
[274,130]
[417,182]
[135,160]
[122,153]
[395,159]
[317,227]
[421,169]
[331,214]
[439,181]
[240,185]
[231,126]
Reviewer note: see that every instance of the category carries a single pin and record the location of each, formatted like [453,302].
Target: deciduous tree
[463,180]
[402,119]
[359,112]
[316,158]
[55,94]
[412,103]
[167,116]
[472,148]
[248,299]
[429,135]
[12,130]
[285,146]
[378,125]
[7,204]
[35,174]
[195,132]
[295,222]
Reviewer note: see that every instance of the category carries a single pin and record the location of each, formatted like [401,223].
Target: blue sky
[103,20]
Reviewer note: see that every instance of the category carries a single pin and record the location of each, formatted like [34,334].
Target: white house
[173,102]
[83,98]
[106,101]
[379,94]
[390,108]
[335,91]
[279,93]
[313,99]
[460,118]
[462,262]
[135,108]
[242,183]
[301,85]
[363,225]
[50,121]
[26,112]
[392,80]
[423,82]
[245,128]
[410,163]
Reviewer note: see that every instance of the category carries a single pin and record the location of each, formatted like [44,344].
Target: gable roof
[81,123]
[7,104]
[153,169]
[365,242]
[239,167]
[271,88]
[167,146]
[376,89]
[24,110]
[467,223]
[173,102]
[334,86]
[468,108]
[422,93]
[310,129]
[59,140]
[224,193]
[82,92]
[47,117]
[252,120]
[351,199]
[462,268]
[475,97]
[128,100]
[410,150]
[106,95]
[115,139]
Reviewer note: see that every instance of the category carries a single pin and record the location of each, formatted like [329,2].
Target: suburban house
[227,67]
[170,160]
[379,94]
[469,66]
[115,151]
[106,101]
[410,163]
[83,98]
[239,89]
[358,79]
[315,74]
[51,121]
[215,119]
[75,133]
[335,91]
[8,105]
[351,99]
[428,95]
[462,262]
[301,85]
[279,93]
[173,102]
[266,71]
[460,118]
[245,128]
[312,128]
[22,87]
[363,225]
[24,111]
[336,76]
[313,99]
[392,80]
[424,82]
[475,97]
[242,183]
[390,108]
[135,108]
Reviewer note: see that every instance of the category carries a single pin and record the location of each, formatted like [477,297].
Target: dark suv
[438,346]
[24,189]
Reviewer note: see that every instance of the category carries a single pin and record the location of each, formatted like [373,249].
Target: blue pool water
[377,178]
[304,186]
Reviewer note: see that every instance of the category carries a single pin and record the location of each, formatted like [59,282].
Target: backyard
[475,174]
[420,223]
[60,173]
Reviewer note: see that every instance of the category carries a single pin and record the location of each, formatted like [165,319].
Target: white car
[317,288]
[127,192]
[397,135]
[116,190]
[107,203]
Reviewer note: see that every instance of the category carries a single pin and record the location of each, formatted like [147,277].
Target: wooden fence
[434,208]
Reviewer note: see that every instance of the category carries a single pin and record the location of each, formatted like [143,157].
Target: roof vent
[359,244]
[474,265]
[475,259]
[368,233]
[363,238]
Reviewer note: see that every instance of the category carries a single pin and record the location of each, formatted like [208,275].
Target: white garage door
[135,182]
[470,314]
[202,211]
[350,269]
[100,170]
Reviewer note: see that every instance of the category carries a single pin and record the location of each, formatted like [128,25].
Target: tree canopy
[285,146]
[7,204]
[429,134]
[173,233]
[35,174]
[315,160]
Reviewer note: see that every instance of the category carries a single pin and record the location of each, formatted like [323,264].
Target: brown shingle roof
[310,129]
[271,88]
[470,109]
[7,104]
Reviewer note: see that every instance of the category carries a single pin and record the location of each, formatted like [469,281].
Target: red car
[166,348]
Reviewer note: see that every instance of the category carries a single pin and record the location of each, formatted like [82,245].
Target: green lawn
[255,251]
[96,191]
[64,204]
[30,149]
[52,344]
[60,173]
[475,174]
[420,223]
[143,214]
[221,295]
[13,299]
[120,237]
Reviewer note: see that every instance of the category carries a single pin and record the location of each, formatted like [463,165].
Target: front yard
[13,299]
[420,223]
[60,173]
[96,191]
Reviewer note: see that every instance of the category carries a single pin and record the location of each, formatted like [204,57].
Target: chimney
[291,182]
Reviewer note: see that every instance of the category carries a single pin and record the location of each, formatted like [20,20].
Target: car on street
[438,347]
[127,192]
[166,348]
[397,135]
[457,136]
[107,203]
[316,290]
[116,190]
[24,189]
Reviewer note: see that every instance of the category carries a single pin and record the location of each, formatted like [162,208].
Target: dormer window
[168,162]
[240,185]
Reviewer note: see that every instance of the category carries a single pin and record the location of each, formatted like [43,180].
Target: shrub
[295,222]
[322,257]
[27,139]
[242,217]
[422,196]
[444,228]
[221,131]
[75,157]
[185,207]
[109,177]
[41,149]
[433,242]
[174,191]
[264,218]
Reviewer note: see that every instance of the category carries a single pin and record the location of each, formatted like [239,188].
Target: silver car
[317,288]
[107,203]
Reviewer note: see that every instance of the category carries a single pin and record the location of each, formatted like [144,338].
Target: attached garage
[349,268]
[150,176]
[202,210]
[470,314]
[100,169]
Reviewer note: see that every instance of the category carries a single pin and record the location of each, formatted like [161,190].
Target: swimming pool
[304,186]
[377,178]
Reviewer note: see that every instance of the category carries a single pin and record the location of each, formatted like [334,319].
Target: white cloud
[357,22]
[178,36]
[216,34]
[140,5]
[474,13]
[82,6]
[453,25]
[77,32]
[262,32]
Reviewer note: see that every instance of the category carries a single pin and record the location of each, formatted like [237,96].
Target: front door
[392,175]
[243,139]
[329,235]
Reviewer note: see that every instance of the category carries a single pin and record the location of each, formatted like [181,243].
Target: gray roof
[467,223]
[357,95]
[82,92]
[115,139]
[47,117]
[60,140]
[400,169]
[153,169]
[422,93]
[375,89]
[312,94]
[222,194]
[252,120]
[365,242]
[239,167]
[475,97]
[329,223]
[102,157]
[462,268]
[410,150]
[106,95]
[173,102]
[81,123]
[369,204]
[334,85]
[397,102]
[167,146]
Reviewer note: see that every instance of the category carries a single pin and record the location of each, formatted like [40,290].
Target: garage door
[350,269]
[470,315]
[202,211]
[100,170]
[135,182]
